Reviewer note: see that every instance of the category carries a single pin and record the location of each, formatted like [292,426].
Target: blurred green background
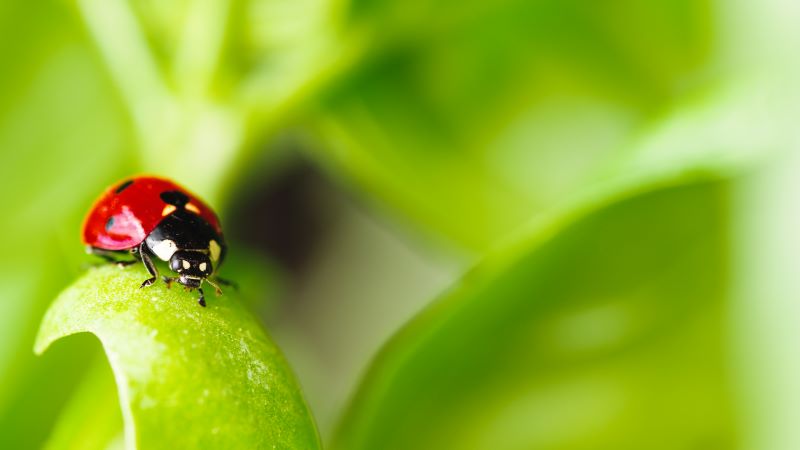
[512,224]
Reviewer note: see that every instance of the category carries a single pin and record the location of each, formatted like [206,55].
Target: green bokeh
[556,146]
[601,335]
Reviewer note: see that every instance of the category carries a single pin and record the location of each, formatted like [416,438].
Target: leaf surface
[187,376]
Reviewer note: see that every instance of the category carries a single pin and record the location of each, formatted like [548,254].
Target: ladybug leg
[202,299]
[125,263]
[109,256]
[169,280]
[148,263]
[217,290]
[227,283]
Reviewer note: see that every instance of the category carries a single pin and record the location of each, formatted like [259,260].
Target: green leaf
[471,116]
[91,420]
[188,377]
[205,81]
[606,330]
[63,138]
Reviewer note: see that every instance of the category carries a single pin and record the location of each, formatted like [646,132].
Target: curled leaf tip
[188,377]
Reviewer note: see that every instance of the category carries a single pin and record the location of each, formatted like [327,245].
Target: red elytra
[126,213]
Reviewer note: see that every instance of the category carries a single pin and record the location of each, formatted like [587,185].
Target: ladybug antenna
[214,285]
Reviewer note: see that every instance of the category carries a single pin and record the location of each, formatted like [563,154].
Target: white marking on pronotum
[193,208]
[214,249]
[202,267]
[186,264]
[165,249]
[167,210]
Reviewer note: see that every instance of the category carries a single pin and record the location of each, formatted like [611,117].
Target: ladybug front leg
[148,263]
[202,299]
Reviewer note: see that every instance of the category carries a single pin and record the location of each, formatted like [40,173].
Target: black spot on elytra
[123,186]
[175,198]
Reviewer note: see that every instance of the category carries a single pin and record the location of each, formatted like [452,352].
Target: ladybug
[149,217]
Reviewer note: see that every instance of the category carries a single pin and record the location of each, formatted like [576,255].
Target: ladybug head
[191,265]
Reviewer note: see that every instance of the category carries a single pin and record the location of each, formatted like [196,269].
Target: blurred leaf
[189,377]
[603,331]
[204,81]
[92,419]
[764,291]
[472,116]
[62,138]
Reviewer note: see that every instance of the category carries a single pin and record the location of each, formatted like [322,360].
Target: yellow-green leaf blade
[605,330]
[188,377]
